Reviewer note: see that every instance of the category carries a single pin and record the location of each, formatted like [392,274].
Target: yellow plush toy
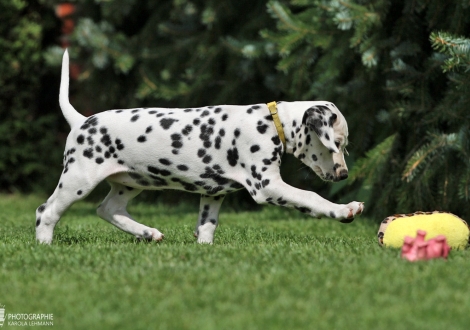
[394,229]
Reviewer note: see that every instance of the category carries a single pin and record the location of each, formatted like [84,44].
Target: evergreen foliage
[169,53]
[27,130]
[403,87]
[398,70]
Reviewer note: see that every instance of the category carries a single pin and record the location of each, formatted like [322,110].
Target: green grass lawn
[270,269]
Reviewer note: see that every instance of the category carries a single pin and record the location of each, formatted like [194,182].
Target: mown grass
[271,269]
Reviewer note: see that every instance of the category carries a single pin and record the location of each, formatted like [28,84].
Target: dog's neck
[291,119]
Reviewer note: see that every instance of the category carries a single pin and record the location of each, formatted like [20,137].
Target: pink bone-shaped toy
[418,248]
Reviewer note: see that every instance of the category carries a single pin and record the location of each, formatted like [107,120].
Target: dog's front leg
[208,218]
[278,192]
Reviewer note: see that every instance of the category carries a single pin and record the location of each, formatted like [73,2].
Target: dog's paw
[205,233]
[152,234]
[352,209]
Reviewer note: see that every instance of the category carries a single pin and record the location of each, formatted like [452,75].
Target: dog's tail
[71,115]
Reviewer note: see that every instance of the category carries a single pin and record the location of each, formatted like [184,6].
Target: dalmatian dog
[211,151]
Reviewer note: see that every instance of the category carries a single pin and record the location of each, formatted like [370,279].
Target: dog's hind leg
[49,213]
[208,218]
[114,210]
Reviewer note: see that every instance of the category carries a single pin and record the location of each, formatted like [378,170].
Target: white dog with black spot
[208,150]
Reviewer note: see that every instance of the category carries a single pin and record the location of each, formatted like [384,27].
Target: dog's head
[321,143]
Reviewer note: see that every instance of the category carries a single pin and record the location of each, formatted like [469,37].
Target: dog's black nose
[343,174]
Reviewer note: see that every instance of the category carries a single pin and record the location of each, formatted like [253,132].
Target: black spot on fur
[91,121]
[159,182]
[314,157]
[261,127]
[41,208]
[254,148]
[99,160]
[255,174]
[151,169]
[332,119]
[218,141]
[106,140]
[134,118]
[134,175]
[232,156]
[167,122]
[187,129]
[119,144]
[90,141]
[88,153]
[276,140]
[79,192]
[280,201]
[80,139]
[144,183]
[206,132]
[211,174]
[164,161]
[175,136]
[141,138]
[188,186]
[182,167]
[308,139]
[148,130]
[303,209]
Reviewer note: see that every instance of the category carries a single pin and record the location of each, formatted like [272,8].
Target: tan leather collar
[272,106]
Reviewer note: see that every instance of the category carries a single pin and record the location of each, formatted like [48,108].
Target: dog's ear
[320,119]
